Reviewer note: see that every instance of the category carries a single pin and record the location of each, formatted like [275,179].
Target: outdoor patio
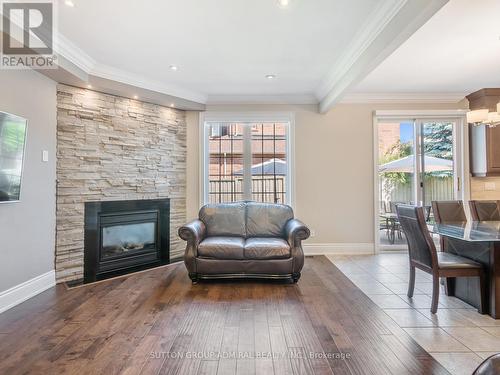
[397,186]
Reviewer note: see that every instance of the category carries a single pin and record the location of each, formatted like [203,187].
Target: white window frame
[257,117]
[460,145]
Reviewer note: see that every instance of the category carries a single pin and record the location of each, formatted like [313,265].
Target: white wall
[27,228]
[333,169]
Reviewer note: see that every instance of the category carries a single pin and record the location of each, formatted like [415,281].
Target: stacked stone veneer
[113,148]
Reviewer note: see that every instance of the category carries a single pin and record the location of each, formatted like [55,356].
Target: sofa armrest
[296,231]
[193,232]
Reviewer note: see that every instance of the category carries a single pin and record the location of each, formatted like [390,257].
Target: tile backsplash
[485,188]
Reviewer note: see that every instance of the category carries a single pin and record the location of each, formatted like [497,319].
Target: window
[247,160]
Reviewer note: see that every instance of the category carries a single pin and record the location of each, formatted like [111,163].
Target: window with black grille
[269,163]
[247,161]
[225,163]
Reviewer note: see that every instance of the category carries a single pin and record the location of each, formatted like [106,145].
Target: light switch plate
[45,156]
[490,186]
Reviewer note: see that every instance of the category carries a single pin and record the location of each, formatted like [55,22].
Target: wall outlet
[45,156]
[313,233]
[490,186]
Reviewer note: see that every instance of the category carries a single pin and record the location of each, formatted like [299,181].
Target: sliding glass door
[397,176]
[438,177]
[417,163]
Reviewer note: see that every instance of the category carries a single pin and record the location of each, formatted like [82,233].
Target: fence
[436,188]
[264,189]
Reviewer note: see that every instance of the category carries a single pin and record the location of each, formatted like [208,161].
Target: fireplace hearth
[125,236]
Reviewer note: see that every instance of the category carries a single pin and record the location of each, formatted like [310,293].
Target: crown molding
[114,74]
[74,54]
[62,46]
[68,51]
[403,97]
[377,21]
[390,26]
[262,99]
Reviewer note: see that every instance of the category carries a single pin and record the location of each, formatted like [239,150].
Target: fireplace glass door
[128,234]
[119,240]
[125,236]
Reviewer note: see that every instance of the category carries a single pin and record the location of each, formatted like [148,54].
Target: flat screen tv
[12,145]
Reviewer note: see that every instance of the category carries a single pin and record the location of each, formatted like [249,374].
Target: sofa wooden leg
[194,277]
[295,277]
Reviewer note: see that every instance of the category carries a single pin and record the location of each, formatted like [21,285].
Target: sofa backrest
[267,220]
[225,219]
[246,219]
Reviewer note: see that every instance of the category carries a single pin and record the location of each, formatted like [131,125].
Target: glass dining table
[479,241]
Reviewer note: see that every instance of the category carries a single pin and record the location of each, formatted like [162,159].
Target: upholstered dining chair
[423,255]
[485,210]
[448,211]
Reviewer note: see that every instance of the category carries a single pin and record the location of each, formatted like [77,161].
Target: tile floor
[457,336]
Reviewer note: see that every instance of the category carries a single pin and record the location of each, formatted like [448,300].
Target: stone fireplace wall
[114,148]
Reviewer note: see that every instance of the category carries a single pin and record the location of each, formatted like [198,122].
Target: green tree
[397,151]
[438,140]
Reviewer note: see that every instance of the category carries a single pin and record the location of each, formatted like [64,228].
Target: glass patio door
[397,177]
[438,172]
[417,164]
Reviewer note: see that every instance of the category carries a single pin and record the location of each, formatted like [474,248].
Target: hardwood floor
[156,322]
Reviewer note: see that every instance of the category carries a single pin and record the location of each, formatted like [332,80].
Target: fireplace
[125,236]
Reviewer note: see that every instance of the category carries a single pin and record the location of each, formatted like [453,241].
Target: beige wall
[333,167]
[27,228]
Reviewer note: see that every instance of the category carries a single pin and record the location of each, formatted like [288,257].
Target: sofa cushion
[226,219]
[222,248]
[267,220]
[266,248]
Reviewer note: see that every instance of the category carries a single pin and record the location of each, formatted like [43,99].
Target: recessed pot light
[173,68]
[136,97]
[172,105]
[270,76]
[69,3]
[283,3]
[89,86]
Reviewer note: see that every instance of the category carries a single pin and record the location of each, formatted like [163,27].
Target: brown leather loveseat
[244,240]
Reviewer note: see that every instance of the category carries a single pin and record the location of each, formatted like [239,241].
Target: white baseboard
[338,248]
[20,293]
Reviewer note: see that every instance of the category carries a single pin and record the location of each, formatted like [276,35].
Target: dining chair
[396,227]
[394,205]
[423,255]
[485,210]
[448,211]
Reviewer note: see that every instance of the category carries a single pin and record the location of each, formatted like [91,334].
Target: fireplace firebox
[125,236]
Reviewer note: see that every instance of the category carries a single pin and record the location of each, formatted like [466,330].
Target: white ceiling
[221,47]
[224,48]
[456,51]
